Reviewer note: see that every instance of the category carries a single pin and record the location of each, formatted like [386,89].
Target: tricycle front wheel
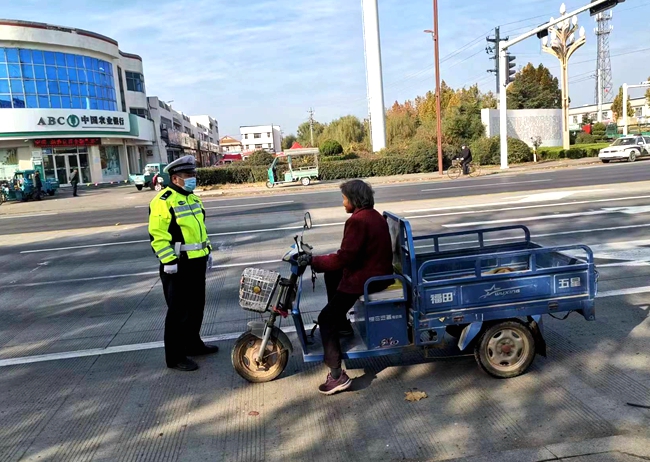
[244,358]
[138,187]
[506,349]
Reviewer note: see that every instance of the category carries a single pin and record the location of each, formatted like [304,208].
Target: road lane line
[86,246]
[118,349]
[232,206]
[9,217]
[117,276]
[215,338]
[537,218]
[487,185]
[492,204]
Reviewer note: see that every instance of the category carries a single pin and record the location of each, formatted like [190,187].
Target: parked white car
[628,148]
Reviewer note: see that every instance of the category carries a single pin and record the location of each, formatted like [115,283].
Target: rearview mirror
[308,223]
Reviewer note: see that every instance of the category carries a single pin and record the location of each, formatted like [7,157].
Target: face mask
[189,184]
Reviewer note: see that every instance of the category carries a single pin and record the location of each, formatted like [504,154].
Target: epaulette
[166,195]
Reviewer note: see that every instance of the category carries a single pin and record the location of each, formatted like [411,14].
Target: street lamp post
[562,43]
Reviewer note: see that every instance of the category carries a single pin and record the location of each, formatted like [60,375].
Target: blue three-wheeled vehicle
[490,298]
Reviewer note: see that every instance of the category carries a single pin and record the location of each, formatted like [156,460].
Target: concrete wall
[524,124]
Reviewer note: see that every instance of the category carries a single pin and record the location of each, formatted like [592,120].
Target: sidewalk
[259,188]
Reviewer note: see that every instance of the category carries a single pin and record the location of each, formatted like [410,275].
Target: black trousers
[185,297]
[333,317]
[466,167]
[74,188]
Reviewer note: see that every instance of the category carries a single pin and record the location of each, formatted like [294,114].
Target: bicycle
[456,169]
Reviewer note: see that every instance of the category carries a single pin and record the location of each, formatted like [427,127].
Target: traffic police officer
[180,241]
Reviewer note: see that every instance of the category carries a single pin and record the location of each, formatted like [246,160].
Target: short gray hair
[359,193]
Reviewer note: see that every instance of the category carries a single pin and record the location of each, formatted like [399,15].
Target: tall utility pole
[604,84]
[494,51]
[372,51]
[311,125]
[435,33]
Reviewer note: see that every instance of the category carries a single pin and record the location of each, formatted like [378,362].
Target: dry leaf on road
[415,395]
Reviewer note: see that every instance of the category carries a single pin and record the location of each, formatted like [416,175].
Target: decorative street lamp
[562,43]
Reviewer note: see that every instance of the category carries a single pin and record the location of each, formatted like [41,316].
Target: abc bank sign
[41,121]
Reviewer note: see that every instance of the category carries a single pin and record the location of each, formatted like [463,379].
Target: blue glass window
[30,87]
[37,57]
[41,87]
[5,101]
[19,101]
[16,86]
[14,70]
[32,101]
[25,56]
[61,80]
[60,59]
[12,55]
[50,59]
[28,71]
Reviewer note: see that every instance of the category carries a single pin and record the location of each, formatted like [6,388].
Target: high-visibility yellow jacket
[177,226]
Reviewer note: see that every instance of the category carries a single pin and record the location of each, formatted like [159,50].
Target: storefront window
[8,163]
[60,162]
[110,157]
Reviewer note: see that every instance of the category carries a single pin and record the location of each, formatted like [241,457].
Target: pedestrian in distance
[180,241]
[465,159]
[74,181]
[38,185]
[366,252]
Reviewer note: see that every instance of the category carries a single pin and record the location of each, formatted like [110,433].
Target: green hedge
[573,153]
[232,174]
[487,151]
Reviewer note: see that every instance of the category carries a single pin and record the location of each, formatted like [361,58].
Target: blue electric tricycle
[489,298]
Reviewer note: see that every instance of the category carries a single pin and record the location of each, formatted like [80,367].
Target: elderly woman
[365,252]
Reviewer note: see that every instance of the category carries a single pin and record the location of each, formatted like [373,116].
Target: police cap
[186,164]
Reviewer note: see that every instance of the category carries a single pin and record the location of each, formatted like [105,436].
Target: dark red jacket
[365,252]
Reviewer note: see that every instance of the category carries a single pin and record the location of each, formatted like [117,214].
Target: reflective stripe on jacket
[177,226]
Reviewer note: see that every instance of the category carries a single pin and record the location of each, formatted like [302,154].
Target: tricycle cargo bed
[458,274]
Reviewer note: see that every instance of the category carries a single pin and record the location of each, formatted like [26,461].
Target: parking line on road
[488,185]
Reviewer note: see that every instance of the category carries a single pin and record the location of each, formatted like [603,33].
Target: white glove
[170,269]
[210,261]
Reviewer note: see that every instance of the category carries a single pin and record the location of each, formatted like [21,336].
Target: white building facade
[640,113]
[71,99]
[179,134]
[256,137]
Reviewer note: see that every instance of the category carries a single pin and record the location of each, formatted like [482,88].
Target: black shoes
[206,350]
[185,365]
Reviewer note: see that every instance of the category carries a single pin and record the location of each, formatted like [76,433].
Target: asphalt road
[286,201]
[80,306]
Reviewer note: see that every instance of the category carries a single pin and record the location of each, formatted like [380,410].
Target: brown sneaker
[332,386]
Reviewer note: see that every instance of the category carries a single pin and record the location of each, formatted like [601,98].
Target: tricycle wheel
[138,187]
[50,193]
[158,187]
[305,181]
[506,349]
[269,184]
[245,351]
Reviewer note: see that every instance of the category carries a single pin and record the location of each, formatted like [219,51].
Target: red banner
[54,142]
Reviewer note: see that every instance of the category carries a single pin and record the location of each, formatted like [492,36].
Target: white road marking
[233,206]
[117,349]
[9,217]
[129,275]
[537,218]
[216,338]
[87,246]
[487,185]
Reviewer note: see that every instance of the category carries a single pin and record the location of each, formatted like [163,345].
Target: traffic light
[604,6]
[510,71]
